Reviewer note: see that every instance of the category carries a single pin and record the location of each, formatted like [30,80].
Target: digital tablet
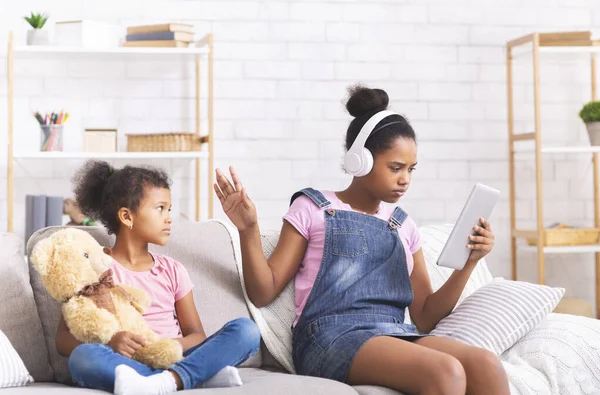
[480,204]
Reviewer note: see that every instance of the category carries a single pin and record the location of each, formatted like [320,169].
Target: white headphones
[358,161]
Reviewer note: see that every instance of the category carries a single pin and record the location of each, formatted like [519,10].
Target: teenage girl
[134,203]
[357,264]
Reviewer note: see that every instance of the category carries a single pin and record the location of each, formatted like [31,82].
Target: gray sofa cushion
[204,248]
[256,382]
[373,390]
[262,382]
[19,318]
[50,389]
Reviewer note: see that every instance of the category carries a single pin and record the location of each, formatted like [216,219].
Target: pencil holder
[51,138]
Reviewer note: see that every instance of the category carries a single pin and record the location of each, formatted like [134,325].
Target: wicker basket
[569,237]
[164,142]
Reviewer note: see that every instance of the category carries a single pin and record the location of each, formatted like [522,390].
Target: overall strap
[314,195]
[398,217]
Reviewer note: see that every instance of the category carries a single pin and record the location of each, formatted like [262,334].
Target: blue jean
[93,365]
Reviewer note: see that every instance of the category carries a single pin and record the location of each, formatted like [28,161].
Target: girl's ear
[125,217]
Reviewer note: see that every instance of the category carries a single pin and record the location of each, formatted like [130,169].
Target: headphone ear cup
[367,163]
[353,163]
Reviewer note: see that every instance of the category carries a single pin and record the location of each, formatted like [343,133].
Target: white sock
[226,377]
[130,382]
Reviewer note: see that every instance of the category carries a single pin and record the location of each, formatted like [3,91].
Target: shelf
[564,249]
[586,149]
[34,50]
[566,49]
[110,155]
[532,234]
[570,150]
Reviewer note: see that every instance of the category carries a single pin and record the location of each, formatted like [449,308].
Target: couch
[29,318]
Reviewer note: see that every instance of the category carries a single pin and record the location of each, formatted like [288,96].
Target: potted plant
[37,36]
[590,114]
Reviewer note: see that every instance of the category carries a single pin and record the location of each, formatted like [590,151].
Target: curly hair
[101,190]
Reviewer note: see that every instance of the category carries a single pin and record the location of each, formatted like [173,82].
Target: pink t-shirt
[309,220]
[167,282]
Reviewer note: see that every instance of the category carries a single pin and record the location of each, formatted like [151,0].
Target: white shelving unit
[566,49]
[43,49]
[202,49]
[110,155]
[559,149]
[531,142]
[564,250]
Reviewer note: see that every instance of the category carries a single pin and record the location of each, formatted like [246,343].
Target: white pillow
[274,320]
[13,372]
[498,314]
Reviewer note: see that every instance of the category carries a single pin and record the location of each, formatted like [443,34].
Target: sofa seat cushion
[263,382]
[374,390]
[19,318]
[256,382]
[51,389]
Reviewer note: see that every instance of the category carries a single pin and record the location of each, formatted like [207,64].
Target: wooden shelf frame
[203,49]
[548,42]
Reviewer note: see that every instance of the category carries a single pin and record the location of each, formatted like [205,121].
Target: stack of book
[178,35]
[42,211]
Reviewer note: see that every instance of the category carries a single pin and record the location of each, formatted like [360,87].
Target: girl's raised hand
[234,200]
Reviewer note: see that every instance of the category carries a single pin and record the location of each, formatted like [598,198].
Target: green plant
[590,112]
[37,20]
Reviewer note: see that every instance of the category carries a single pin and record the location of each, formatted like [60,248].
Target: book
[165,27]
[35,214]
[156,43]
[54,210]
[177,36]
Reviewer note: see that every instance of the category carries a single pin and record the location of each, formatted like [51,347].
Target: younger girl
[134,203]
[357,265]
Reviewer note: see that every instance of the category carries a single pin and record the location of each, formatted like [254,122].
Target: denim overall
[361,291]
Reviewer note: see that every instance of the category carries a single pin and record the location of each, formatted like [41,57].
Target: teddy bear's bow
[105,281]
[99,292]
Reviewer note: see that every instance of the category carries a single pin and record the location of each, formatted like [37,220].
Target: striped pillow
[13,372]
[498,314]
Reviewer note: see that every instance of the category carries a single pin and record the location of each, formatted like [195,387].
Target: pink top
[309,220]
[167,282]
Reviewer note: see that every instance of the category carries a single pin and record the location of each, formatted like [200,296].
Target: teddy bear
[75,271]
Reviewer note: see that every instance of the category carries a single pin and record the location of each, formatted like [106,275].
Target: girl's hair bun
[365,100]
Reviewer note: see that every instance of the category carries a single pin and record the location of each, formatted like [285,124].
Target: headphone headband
[367,129]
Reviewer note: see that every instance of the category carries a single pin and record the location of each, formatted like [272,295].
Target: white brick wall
[281,70]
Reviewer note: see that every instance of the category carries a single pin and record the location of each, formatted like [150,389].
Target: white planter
[593,129]
[38,37]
